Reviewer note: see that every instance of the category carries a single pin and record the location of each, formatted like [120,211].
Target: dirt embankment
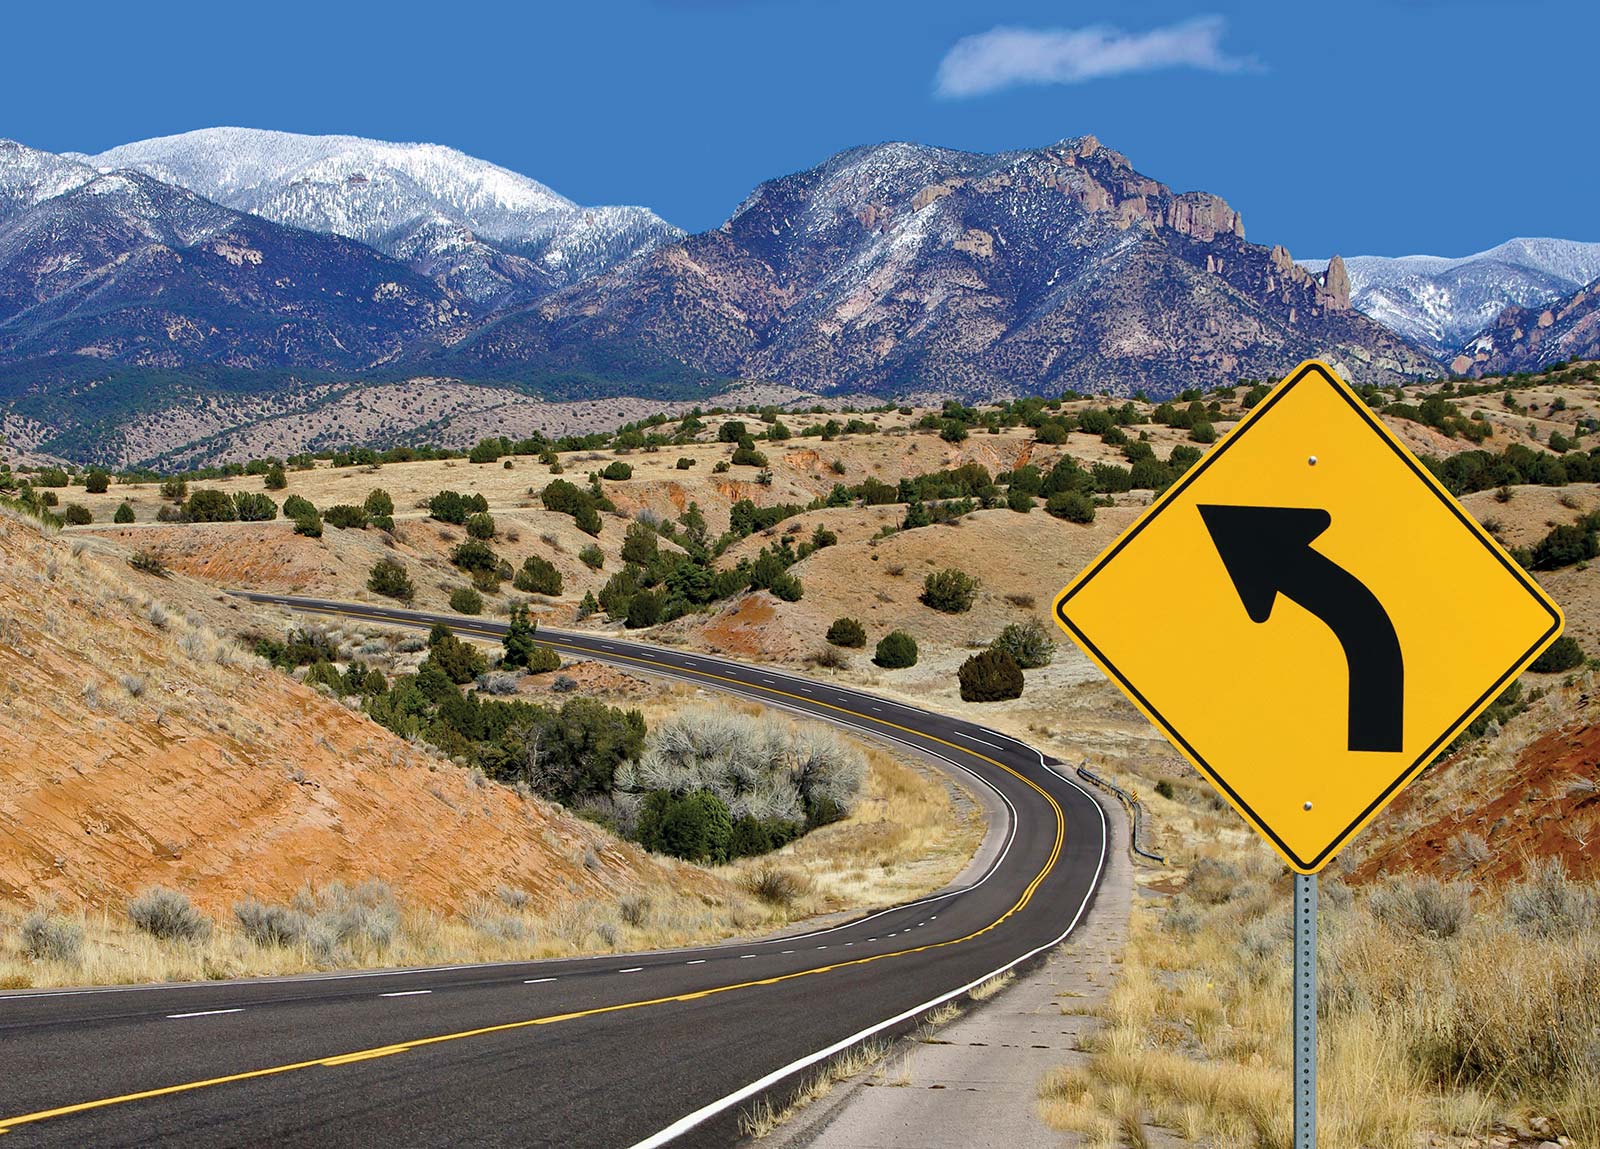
[139,749]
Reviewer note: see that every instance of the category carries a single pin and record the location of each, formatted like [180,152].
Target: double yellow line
[9,1123]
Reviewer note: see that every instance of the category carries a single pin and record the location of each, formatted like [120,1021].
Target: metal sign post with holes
[1352,619]
[1305,1011]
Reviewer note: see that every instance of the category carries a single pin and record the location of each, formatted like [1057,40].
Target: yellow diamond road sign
[1308,616]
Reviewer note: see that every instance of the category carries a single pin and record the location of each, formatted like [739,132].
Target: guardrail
[1135,811]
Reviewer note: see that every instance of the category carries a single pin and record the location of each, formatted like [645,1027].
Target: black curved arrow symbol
[1267,551]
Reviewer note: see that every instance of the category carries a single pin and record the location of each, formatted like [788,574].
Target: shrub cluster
[718,785]
[389,578]
[990,676]
[949,590]
[1028,643]
[896,650]
[847,632]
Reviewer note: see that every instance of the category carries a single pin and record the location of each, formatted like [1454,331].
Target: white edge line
[406,993]
[706,1112]
[204,1013]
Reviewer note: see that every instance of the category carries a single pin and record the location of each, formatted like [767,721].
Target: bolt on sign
[1308,616]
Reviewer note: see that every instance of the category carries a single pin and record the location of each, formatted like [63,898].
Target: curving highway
[622,1050]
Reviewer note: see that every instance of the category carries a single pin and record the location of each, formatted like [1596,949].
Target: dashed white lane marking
[787,951]
[822,947]
[979,741]
[538,980]
[406,993]
[631,969]
[205,1013]
[697,961]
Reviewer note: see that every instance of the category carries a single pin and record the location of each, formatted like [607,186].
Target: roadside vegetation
[1459,985]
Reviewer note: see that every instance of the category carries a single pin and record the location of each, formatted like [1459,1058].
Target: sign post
[1338,609]
[1305,1011]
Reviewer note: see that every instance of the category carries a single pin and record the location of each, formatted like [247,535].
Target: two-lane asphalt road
[621,1050]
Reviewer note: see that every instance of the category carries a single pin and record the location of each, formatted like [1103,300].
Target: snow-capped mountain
[123,267]
[488,234]
[1443,303]
[906,269]
[1532,338]
[29,176]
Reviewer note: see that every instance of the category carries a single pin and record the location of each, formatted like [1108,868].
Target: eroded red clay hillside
[138,749]
[1491,810]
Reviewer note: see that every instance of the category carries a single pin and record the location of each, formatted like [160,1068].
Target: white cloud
[1006,57]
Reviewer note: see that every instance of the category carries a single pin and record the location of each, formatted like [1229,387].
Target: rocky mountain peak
[1336,283]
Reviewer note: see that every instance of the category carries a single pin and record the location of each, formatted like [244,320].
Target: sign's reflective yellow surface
[1308,616]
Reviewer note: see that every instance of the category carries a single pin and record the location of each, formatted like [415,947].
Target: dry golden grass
[763,1118]
[1466,1034]
[986,990]
[911,833]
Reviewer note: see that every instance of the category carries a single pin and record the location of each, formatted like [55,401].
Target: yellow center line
[9,1123]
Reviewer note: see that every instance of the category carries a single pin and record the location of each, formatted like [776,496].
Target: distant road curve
[622,1050]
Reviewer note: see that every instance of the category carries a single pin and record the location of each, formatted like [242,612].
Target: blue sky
[1360,127]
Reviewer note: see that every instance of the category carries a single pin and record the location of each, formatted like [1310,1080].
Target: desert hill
[143,748]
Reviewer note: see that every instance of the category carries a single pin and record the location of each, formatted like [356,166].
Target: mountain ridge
[900,267]
[1444,302]
[488,233]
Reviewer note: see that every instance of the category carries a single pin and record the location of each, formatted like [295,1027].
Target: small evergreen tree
[458,661]
[211,506]
[346,517]
[644,609]
[519,640]
[275,479]
[592,557]
[389,578]
[543,660]
[639,545]
[538,576]
[1563,654]
[896,650]
[378,503]
[475,555]
[254,507]
[97,482]
[949,590]
[694,826]
[847,632]
[990,676]
[1073,506]
[480,526]
[466,600]
[124,514]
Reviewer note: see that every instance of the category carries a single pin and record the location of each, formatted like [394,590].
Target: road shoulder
[974,1082]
